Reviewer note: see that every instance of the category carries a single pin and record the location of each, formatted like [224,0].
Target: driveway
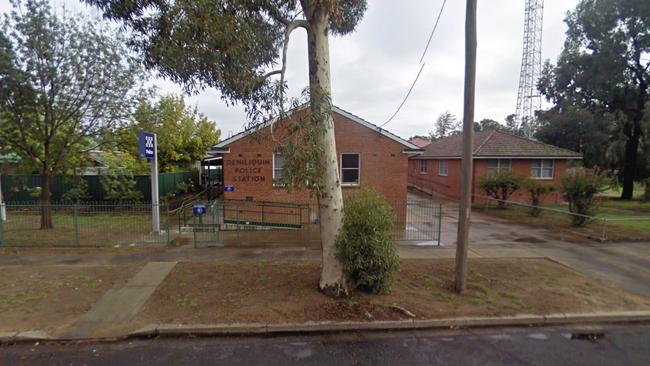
[622,265]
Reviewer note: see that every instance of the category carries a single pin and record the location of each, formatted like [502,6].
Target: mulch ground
[283,292]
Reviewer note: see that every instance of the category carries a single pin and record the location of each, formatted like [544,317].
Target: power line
[426,48]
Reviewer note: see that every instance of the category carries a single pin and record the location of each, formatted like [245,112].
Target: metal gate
[231,222]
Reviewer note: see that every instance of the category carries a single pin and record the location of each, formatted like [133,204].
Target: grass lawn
[280,292]
[616,192]
[95,229]
[51,298]
[630,219]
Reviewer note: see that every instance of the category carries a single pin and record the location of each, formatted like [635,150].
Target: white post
[155,206]
[3,208]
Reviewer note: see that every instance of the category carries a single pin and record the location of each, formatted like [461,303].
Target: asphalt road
[589,345]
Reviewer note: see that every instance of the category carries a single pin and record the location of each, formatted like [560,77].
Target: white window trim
[275,184]
[440,166]
[341,170]
[541,169]
[500,167]
[420,166]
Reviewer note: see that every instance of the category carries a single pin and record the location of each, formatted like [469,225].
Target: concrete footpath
[121,304]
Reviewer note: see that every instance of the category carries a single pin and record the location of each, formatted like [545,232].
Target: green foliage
[602,69]
[577,129]
[536,192]
[499,185]
[183,134]
[579,189]
[120,187]
[646,192]
[79,191]
[365,244]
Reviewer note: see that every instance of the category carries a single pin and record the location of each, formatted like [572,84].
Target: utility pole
[462,241]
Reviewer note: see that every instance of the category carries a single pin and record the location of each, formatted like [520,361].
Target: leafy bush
[579,189]
[536,192]
[646,193]
[365,245]
[120,188]
[499,185]
[78,192]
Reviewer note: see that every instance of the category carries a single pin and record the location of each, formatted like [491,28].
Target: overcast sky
[373,68]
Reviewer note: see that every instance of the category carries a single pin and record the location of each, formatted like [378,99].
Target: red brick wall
[431,181]
[450,185]
[383,165]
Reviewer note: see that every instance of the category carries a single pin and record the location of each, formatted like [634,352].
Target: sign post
[148,148]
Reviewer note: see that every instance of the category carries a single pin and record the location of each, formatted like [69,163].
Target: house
[438,168]
[369,156]
[420,141]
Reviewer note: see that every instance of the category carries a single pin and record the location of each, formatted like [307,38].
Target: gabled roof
[495,143]
[223,145]
[420,141]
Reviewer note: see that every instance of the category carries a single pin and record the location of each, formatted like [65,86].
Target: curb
[262,329]
[253,329]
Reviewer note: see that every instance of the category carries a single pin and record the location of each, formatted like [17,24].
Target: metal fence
[602,228]
[230,222]
[79,225]
[15,188]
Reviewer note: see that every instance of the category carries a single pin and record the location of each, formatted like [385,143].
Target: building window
[350,167]
[278,169]
[423,166]
[498,165]
[542,169]
[442,168]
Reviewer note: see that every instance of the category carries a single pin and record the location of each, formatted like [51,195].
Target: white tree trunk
[330,200]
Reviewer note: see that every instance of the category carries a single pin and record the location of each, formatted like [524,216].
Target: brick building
[438,168]
[369,156]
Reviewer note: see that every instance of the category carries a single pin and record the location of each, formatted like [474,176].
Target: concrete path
[120,304]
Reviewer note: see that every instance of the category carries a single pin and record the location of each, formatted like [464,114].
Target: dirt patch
[51,298]
[530,239]
[287,292]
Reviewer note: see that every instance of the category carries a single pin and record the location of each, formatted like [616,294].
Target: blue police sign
[229,188]
[198,210]
[147,144]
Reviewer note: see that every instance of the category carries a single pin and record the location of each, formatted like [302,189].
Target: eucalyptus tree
[604,68]
[63,80]
[240,48]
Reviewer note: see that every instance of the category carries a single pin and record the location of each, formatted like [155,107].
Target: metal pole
[3,208]
[468,138]
[155,206]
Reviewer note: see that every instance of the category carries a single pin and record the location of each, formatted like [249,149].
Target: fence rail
[250,222]
[607,225]
[79,225]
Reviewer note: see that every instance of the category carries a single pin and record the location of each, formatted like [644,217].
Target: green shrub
[646,193]
[120,188]
[78,192]
[536,193]
[499,185]
[365,245]
[579,189]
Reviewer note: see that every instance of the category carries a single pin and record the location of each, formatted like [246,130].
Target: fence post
[439,223]
[169,226]
[194,229]
[237,218]
[75,223]
[603,237]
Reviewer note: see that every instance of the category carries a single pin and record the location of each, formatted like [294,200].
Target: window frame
[358,169]
[500,165]
[273,179]
[541,169]
[421,165]
[440,168]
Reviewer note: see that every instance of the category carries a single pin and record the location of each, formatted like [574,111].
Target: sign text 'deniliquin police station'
[147,144]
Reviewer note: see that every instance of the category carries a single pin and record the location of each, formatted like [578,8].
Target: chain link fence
[83,225]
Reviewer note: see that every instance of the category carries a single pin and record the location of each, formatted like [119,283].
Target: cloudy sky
[373,68]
